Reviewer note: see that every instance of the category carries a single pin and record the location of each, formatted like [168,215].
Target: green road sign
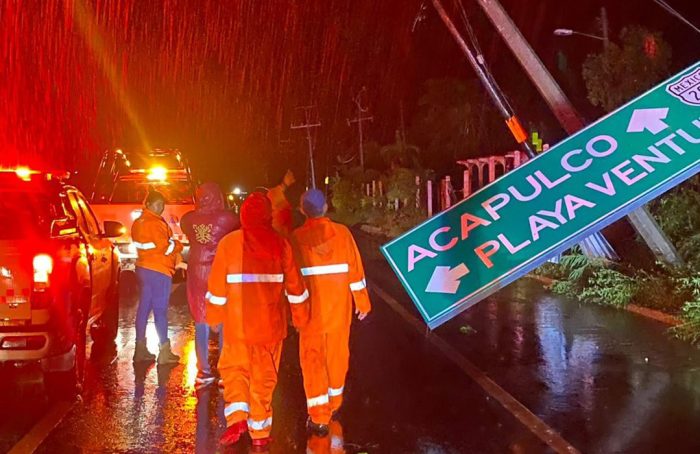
[593,178]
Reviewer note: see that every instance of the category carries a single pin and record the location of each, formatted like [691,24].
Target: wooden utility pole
[596,244]
[493,90]
[568,116]
[308,125]
[361,118]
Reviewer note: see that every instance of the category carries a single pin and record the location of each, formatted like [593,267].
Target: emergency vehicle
[122,182]
[58,274]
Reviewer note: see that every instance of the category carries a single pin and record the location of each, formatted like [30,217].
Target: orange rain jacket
[155,247]
[334,274]
[253,269]
[281,210]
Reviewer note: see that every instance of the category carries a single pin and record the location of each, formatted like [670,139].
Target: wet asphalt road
[606,380]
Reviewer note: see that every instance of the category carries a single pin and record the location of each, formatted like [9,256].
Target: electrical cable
[479,53]
[513,123]
[675,13]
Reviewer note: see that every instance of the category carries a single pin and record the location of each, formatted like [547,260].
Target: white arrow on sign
[649,119]
[446,280]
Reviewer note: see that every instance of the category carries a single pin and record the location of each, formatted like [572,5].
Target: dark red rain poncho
[205,227]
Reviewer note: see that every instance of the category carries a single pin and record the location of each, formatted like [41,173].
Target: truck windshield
[25,214]
[176,192]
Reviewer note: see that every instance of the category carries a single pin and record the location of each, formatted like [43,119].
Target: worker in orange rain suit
[253,269]
[158,254]
[205,227]
[281,209]
[333,272]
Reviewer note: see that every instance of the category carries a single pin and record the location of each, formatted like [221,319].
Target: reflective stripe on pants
[250,375]
[324,362]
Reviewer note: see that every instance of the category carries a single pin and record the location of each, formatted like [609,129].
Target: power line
[488,81]
[361,117]
[308,126]
[678,15]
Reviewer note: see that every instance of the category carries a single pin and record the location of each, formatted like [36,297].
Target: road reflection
[189,358]
[334,443]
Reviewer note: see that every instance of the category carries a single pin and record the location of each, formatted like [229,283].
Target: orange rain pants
[250,376]
[324,363]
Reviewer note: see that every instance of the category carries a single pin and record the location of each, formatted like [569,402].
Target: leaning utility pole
[594,245]
[359,120]
[308,125]
[605,27]
[568,117]
[477,63]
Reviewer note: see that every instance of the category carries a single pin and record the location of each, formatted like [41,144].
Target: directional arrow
[649,119]
[446,280]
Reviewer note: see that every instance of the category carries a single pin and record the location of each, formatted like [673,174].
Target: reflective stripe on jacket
[156,249]
[332,268]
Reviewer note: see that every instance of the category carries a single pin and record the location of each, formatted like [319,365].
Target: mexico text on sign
[542,208]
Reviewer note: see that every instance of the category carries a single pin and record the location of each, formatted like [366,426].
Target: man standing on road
[155,265]
[205,227]
[281,209]
[253,269]
[332,267]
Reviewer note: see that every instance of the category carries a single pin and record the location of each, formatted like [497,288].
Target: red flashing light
[26,173]
[43,267]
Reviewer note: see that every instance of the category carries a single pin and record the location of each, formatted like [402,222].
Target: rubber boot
[261,444]
[233,433]
[320,430]
[166,355]
[141,353]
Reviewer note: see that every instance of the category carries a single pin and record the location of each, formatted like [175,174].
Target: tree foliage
[625,70]
[678,214]
[445,120]
[400,154]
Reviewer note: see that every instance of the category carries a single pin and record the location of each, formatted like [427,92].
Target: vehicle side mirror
[63,227]
[113,229]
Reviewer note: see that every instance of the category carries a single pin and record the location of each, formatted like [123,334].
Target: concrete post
[417,192]
[467,183]
[448,187]
[429,196]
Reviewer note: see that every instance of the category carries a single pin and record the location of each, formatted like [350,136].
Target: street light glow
[569,32]
[237,190]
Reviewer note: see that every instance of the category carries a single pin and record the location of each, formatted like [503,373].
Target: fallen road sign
[591,179]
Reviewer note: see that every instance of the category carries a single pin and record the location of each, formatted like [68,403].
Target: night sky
[221,79]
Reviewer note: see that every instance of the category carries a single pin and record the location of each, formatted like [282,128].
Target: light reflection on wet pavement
[402,396]
[606,380]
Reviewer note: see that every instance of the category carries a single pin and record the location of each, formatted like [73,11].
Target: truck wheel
[104,332]
[69,384]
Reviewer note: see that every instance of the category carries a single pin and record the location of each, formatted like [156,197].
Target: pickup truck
[122,182]
[59,277]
